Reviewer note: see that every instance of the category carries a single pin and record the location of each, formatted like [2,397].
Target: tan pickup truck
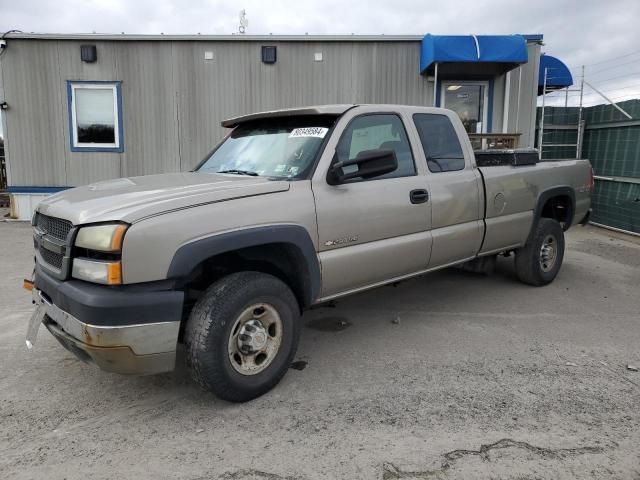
[293,208]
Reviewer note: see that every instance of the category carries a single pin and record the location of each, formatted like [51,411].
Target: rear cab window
[440,142]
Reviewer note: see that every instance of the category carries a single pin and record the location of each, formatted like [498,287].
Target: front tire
[539,261]
[242,335]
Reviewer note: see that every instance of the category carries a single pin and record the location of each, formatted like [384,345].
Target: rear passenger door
[457,201]
[371,230]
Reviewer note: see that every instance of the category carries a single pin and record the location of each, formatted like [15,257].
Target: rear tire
[242,335]
[539,261]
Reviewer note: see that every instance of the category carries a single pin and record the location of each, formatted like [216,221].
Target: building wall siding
[173,100]
[523,97]
[35,143]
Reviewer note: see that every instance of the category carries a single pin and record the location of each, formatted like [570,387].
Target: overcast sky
[578,32]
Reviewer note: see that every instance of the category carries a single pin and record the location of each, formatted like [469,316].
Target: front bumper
[131,343]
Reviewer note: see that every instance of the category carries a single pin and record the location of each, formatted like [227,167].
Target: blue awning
[558,74]
[507,50]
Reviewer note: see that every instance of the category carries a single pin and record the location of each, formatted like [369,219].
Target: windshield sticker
[293,170]
[280,168]
[318,132]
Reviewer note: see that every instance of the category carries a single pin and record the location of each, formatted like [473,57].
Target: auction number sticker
[318,132]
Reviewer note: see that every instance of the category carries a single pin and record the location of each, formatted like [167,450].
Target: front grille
[51,242]
[54,227]
[52,258]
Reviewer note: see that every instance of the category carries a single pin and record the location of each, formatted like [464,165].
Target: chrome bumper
[129,349]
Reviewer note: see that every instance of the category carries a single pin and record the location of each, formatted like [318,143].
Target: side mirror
[371,164]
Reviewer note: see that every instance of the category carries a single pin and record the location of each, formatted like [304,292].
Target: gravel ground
[453,375]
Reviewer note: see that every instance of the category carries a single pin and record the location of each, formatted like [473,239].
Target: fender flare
[192,254]
[543,196]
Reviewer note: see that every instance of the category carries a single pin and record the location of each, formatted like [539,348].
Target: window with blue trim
[95,116]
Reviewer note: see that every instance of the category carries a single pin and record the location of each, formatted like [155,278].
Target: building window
[95,116]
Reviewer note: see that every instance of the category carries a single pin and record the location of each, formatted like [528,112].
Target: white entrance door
[469,99]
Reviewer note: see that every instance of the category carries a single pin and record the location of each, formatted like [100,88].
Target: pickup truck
[293,208]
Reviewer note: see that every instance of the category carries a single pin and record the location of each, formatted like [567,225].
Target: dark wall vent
[88,53]
[269,54]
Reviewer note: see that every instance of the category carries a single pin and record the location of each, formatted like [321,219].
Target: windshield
[276,147]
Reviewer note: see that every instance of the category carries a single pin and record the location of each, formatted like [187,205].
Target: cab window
[377,131]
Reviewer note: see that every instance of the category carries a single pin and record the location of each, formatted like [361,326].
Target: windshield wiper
[239,172]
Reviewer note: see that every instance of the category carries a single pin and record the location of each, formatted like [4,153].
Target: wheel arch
[285,251]
[558,203]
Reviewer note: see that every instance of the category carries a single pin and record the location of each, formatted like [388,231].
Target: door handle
[419,196]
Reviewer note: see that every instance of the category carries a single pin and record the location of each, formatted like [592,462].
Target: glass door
[469,100]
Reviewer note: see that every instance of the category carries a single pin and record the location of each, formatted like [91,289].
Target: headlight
[104,243]
[107,273]
[104,238]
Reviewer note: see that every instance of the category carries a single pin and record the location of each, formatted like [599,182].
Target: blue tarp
[558,75]
[507,49]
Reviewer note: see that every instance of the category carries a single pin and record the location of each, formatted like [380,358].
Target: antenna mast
[244,22]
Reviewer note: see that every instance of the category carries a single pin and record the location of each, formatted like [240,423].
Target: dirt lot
[452,375]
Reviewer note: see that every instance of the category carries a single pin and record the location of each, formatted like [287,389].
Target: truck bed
[514,181]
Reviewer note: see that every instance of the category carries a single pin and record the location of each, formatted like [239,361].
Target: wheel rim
[548,253]
[255,339]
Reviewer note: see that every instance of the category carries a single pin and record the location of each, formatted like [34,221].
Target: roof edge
[194,37]
[536,37]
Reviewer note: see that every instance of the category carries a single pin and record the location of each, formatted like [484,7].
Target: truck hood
[132,199]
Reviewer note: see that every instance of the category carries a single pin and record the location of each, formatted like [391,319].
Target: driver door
[372,230]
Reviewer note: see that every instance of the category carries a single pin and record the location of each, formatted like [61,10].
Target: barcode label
[318,132]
